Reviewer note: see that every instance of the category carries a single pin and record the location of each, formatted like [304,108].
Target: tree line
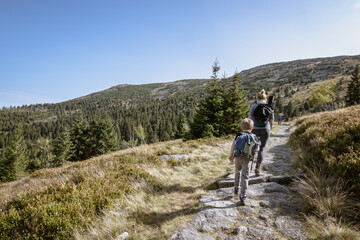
[48,135]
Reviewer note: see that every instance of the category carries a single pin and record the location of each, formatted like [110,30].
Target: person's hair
[247,124]
[261,95]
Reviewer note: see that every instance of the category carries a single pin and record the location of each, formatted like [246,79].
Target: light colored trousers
[242,165]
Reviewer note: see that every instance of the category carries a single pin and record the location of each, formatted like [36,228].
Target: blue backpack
[246,143]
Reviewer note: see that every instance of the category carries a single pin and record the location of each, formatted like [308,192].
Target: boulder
[210,219]
[290,227]
[240,230]
[260,233]
[189,234]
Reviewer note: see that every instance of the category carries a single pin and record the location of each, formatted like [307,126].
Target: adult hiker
[263,116]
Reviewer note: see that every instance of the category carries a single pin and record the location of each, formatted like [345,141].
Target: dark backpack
[246,143]
[262,113]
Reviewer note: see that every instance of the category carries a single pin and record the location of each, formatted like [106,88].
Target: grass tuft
[330,229]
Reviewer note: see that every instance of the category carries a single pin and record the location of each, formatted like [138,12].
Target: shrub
[332,141]
[57,210]
[327,146]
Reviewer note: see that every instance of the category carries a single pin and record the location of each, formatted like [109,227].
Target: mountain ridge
[284,72]
[165,110]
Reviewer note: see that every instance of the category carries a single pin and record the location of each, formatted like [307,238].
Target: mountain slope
[164,110]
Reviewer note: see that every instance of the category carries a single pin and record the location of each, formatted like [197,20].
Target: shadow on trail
[280,136]
[279,148]
[158,218]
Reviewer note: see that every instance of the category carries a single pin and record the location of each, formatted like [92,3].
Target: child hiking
[263,116]
[243,149]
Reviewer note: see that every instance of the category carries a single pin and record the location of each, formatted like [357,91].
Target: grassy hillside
[135,190]
[164,110]
[327,146]
[104,196]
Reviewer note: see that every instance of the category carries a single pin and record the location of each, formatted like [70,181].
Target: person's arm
[271,123]
[231,157]
[252,108]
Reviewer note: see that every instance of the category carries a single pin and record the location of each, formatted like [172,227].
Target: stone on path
[240,230]
[252,221]
[211,201]
[264,188]
[266,213]
[281,179]
[189,234]
[247,210]
[286,179]
[233,238]
[223,218]
[260,233]
[209,219]
[290,227]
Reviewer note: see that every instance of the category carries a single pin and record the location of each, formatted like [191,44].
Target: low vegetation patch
[331,142]
[132,190]
[327,146]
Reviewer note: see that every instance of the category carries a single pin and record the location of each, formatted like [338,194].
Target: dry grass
[299,98]
[325,196]
[147,211]
[155,215]
[44,178]
[330,229]
[325,147]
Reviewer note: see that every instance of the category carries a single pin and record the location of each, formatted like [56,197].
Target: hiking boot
[242,200]
[236,190]
[257,171]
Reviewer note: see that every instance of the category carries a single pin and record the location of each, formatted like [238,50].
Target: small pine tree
[210,112]
[44,151]
[102,136]
[15,158]
[140,133]
[80,134]
[279,108]
[306,106]
[236,107]
[353,89]
[288,110]
[63,148]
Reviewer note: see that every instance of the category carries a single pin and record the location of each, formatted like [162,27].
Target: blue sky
[52,51]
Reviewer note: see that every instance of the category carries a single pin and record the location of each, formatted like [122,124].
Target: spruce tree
[44,151]
[279,105]
[15,157]
[184,128]
[353,89]
[63,148]
[102,136]
[207,120]
[236,107]
[80,135]
[140,134]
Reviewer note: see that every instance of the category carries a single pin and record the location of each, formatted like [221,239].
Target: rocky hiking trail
[271,211]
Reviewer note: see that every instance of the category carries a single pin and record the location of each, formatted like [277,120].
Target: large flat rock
[212,201]
[189,234]
[290,227]
[210,219]
[281,179]
[260,233]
